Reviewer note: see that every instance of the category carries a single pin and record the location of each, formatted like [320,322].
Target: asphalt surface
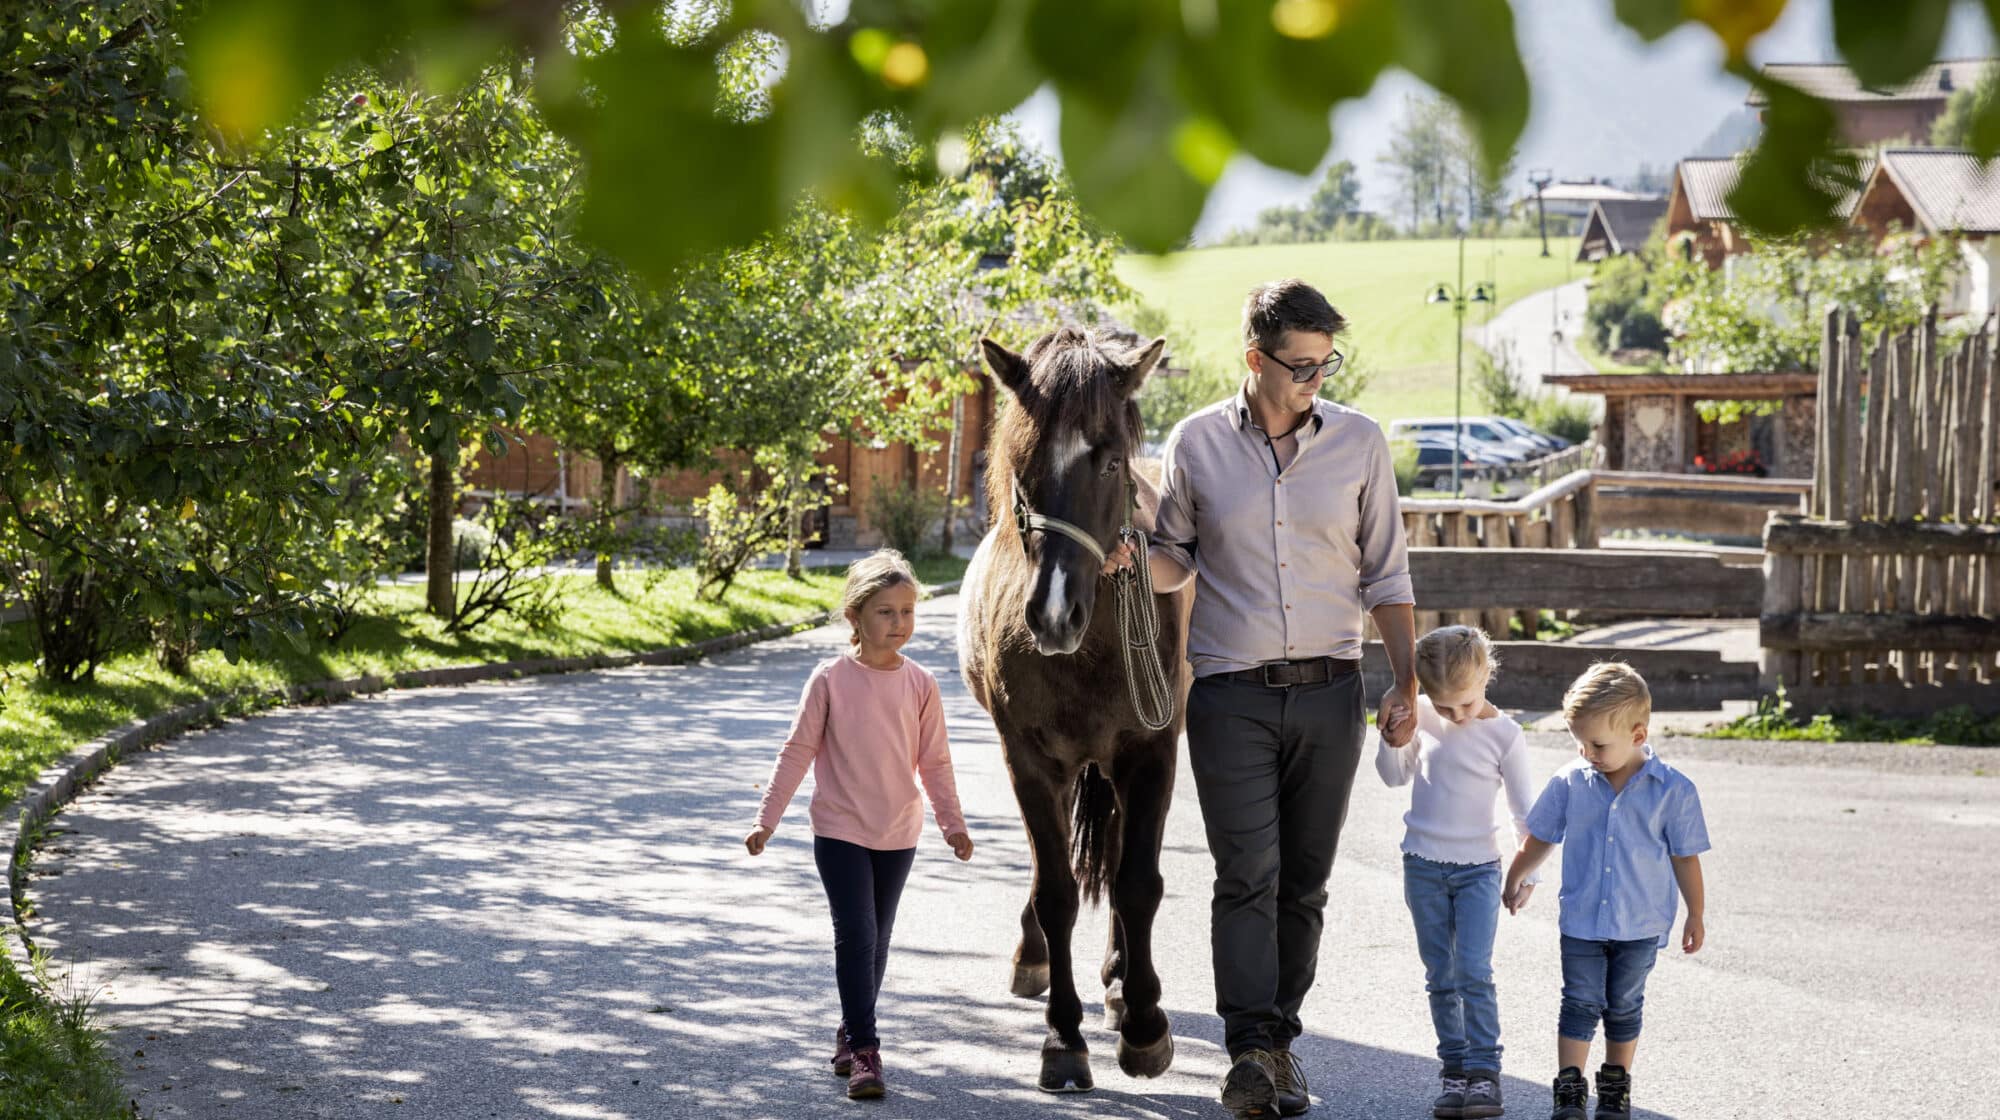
[530,900]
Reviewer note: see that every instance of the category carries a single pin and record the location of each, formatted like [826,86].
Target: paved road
[1525,328]
[527,900]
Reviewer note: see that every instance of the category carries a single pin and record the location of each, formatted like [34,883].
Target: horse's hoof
[1114,1005]
[1146,1061]
[1066,1071]
[1030,980]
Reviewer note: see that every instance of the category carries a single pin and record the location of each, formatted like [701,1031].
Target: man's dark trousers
[1273,768]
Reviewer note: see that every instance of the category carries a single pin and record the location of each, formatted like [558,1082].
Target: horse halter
[1026,520]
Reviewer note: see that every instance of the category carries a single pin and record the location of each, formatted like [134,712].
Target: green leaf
[1888,44]
[381,141]
[1126,168]
[1451,45]
[479,343]
[1798,174]
[1652,19]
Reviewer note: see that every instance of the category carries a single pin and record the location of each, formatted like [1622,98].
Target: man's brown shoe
[1250,1089]
[1293,1097]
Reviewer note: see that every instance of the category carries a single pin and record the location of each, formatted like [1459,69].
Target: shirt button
[1281,523]
[1282,564]
[1288,606]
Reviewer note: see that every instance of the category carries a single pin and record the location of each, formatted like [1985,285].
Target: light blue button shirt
[1618,877]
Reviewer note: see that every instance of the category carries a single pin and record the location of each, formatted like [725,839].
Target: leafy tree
[1769,312]
[1971,118]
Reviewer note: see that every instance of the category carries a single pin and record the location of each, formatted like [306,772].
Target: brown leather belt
[1283,674]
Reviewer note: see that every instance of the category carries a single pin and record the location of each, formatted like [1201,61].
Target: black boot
[1572,1093]
[1614,1093]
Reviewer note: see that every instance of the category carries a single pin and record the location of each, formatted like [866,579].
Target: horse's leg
[1145,790]
[1031,956]
[1042,793]
[1112,974]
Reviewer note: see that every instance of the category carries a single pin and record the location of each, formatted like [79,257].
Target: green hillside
[1403,343]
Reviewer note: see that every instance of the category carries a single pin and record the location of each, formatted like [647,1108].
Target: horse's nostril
[1076,618]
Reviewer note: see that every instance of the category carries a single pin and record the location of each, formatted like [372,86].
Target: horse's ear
[1009,367]
[1139,365]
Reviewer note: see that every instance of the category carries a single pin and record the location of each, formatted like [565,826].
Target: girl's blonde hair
[1452,657]
[878,571]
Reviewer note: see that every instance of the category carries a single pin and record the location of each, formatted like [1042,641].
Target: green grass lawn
[41,722]
[1403,343]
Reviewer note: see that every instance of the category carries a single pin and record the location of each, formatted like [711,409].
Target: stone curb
[61,781]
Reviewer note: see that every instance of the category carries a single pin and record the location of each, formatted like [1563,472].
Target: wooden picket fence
[1558,515]
[1886,596]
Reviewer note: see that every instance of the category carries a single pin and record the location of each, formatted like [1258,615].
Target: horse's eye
[1111,465]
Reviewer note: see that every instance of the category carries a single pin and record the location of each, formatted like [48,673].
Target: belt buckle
[1266,669]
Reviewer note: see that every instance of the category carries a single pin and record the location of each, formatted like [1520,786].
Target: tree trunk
[439,555]
[795,538]
[607,503]
[951,468]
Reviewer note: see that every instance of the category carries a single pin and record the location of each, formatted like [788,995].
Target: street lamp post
[1542,178]
[1458,296]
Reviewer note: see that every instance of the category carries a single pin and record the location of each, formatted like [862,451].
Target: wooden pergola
[1650,422]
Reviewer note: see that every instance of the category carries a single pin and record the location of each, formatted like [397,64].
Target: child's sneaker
[1482,1097]
[1450,1102]
[843,1054]
[1572,1093]
[866,1082]
[1614,1093]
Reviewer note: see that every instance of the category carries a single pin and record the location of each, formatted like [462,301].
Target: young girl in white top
[1465,752]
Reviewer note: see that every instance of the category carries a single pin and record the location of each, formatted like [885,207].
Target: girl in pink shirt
[870,724]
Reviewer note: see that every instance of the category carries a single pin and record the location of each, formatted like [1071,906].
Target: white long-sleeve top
[1454,771]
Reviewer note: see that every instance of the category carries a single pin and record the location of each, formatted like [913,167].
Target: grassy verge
[1604,362]
[53,1065]
[1774,719]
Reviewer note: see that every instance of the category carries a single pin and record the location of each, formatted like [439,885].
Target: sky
[1603,101]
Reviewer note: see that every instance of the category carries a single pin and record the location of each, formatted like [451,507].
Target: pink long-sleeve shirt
[868,735]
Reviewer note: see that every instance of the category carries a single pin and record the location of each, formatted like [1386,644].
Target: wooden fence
[1887,597]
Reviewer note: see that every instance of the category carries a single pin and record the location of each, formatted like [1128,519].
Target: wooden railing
[1558,515]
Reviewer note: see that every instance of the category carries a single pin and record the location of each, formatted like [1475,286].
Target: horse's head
[1061,453]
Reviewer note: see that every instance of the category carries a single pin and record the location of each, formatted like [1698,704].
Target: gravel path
[529,900]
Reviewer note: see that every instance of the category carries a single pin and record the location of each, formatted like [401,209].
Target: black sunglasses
[1305,373]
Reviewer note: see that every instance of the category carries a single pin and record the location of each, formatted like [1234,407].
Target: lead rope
[1139,637]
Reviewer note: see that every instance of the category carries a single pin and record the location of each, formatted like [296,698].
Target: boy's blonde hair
[1451,657]
[1613,690]
[878,571]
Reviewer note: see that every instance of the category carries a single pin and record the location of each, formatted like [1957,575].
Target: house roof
[1710,386]
[1950,190]
[1834,82]
[1707,183]
[1584,192]
[1623,224]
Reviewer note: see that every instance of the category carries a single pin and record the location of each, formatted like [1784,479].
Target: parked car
[1491,439]
[1434,455]
[1521,428]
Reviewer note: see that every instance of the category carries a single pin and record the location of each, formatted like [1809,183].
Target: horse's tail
[1090,831]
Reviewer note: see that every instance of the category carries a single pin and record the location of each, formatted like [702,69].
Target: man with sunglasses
[1282,506]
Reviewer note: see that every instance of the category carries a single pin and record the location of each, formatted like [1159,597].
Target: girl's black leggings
[863,886]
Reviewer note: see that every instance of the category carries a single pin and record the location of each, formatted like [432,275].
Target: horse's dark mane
[1071,388]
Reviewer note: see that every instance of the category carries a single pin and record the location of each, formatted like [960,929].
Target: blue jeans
[863,886]
[1456,907]
[1605,980]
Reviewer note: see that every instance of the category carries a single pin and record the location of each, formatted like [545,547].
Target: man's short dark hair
[1287,305]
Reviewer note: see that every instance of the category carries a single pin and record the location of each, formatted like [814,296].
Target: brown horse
[1093,782]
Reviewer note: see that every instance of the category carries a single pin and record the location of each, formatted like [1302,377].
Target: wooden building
[1618,225]
[1651,421]
[1936,191]
[1866,116]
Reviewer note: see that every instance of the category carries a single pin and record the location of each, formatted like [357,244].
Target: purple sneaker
[843,1054]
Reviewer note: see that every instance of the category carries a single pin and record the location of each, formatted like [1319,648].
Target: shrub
[470,543]
[1569,417]
[909,517]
